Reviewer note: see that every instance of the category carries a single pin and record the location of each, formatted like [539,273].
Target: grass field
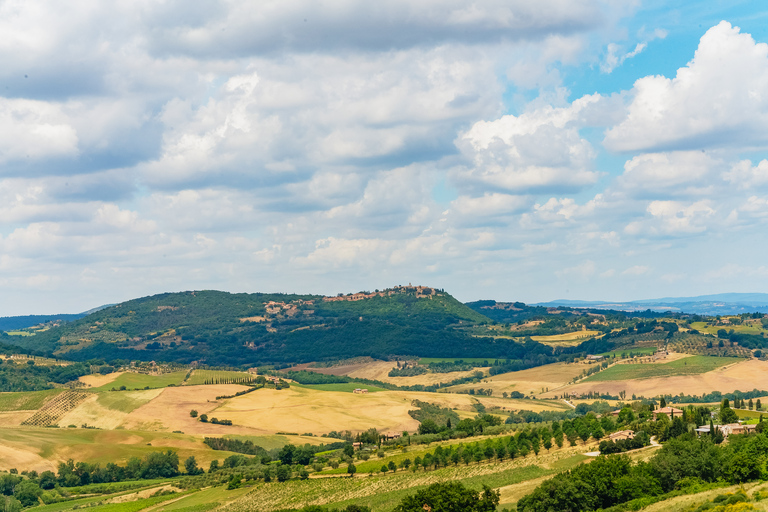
[743,374]
[344,387]
[42,448]
[750,417]
[19,333]
[531,381]
[687,366]
[201,376]
[566,339]
[746,328]
[638,351]
[126,401]
[26,400]
[140,381]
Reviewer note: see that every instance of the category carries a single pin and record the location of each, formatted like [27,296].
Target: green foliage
[450,497]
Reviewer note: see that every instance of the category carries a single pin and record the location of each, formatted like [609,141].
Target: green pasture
[345,387]
[131,506]
[201,376]
[140,381]
[638,351]
[19,333]
[26,400]
[123,401]
[751,417]
[687,366]
[743,328]
[206,499]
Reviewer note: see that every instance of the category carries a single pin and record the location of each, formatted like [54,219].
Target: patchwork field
[567,339]
[140,381]
[42,448]
[379,370]
[690,365]
[531,381]
[743,375]
[301,409]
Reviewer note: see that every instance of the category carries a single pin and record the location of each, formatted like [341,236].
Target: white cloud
[680,173]
[535,151]
[747,176]
[34,129]
[673,218]
[717,100]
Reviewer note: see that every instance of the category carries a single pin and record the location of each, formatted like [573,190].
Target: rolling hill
[237,329]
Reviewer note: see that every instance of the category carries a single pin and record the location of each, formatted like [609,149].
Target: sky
[508,150]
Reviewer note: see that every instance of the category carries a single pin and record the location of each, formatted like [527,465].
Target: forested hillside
[234,329]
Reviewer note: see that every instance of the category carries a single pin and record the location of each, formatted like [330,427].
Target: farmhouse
[728,429]
[621,435]
[593,359]
[671,412]
[360,391]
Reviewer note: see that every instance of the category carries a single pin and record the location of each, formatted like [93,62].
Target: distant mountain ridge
[713,304]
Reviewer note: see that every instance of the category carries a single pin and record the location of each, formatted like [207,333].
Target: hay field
[379,370]
[108,409]
[170,411]
[301,409]
[42,449]
[744,375]
[690,365]
[566,340]
[95,381]
[549,376]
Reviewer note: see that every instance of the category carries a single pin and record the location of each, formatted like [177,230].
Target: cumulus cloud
[535,151]
[34,129]
[679,173]
[716,100]
[747,176]
[673,218]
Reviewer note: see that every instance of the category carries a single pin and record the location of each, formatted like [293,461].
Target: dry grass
[567,339]
[743,376]
[550,377]
[94,381]
[307,410]
[107,410]
[379,370]
[170,411]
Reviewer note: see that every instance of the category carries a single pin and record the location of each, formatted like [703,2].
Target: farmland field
[382,493]
[140,381]
[743,374]
[379,370]
[638,351]
[344,387]
[687,366]
[41,448]
[531,381]
[566,339]
[26,400]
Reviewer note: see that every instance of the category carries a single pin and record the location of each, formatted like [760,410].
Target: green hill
[236,329]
